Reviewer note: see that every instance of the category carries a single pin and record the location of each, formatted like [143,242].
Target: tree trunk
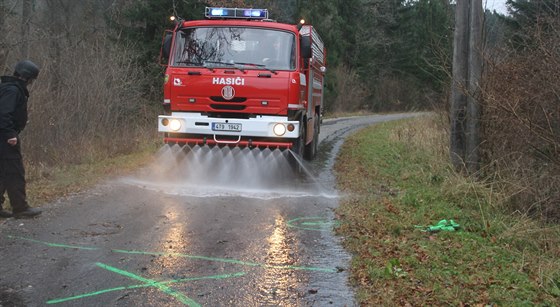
[3,49]
[25,26]
[56,14]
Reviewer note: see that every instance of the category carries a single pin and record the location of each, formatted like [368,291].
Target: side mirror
[305,47]
[165,48]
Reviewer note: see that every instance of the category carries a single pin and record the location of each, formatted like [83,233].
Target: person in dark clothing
[13,118]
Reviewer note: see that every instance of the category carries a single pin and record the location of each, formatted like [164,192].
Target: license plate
[226,127]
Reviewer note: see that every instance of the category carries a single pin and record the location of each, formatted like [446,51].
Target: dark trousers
[12,180]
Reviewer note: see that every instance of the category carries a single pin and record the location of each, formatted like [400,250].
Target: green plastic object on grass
[443,225]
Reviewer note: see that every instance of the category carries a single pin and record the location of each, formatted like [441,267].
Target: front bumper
[247,132]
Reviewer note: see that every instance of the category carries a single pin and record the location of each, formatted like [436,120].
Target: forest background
[99,91]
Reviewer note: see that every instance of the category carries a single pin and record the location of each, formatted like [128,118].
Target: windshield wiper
[189,62]
[218,62]
[196,64]
[257,65]
[225,63]
[233,65]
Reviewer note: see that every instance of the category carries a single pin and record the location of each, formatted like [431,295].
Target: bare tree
[26,6]
[3,49]
[59,27]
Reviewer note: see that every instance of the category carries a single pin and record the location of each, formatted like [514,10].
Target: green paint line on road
[53,244]
[179,255]
[162,286]
[234,261]
[176,294]
[76,297]
[223,276]
[315,223]
[225,260]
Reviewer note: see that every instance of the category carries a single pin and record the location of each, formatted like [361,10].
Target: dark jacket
[13,114]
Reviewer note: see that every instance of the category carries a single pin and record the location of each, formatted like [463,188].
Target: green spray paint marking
[233,261]
[178,295]
[253,264]
[224,276]
[162,286]
[316,223]
[313,223]
[54,244]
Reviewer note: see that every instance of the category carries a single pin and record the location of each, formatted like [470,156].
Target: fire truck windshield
[244,48]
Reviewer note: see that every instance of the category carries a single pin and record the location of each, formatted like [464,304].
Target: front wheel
[311,148]
[298,149]
[298,145]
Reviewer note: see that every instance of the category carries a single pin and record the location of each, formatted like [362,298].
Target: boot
[4,213]
[29,212]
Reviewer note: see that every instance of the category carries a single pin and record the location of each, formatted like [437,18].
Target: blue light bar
[221,12]
[217,12]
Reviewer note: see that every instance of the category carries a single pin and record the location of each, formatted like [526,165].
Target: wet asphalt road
[155,240]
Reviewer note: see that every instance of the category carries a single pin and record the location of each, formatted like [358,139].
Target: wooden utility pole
[467,68]
[473,100]
[459,84]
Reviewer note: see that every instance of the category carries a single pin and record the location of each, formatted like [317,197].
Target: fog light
[165,122]
[174,125]
[291,127]
[279,129]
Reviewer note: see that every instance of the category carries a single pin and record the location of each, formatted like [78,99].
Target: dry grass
[399,178]
[89,102]
[88,108]
[48,183]
[95,111]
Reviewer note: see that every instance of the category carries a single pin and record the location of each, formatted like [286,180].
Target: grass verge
[47,183]
[398,181]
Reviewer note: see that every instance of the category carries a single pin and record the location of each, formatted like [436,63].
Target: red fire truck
[237,78]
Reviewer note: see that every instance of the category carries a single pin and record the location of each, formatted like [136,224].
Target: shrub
[521,123]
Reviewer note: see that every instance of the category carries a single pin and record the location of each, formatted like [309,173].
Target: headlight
[174,124]
[279,129]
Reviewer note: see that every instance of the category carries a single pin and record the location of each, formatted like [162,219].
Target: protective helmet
[26,69]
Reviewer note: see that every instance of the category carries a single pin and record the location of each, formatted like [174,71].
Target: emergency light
[222,12]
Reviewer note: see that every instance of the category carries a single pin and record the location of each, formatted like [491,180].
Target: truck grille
[221,99]
[227,107]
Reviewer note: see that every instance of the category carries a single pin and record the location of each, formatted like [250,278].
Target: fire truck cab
[238,78]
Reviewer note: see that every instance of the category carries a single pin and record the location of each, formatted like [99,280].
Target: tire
[311,149]
[298,149]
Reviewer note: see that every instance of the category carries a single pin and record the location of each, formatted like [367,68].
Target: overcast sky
[498,5]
